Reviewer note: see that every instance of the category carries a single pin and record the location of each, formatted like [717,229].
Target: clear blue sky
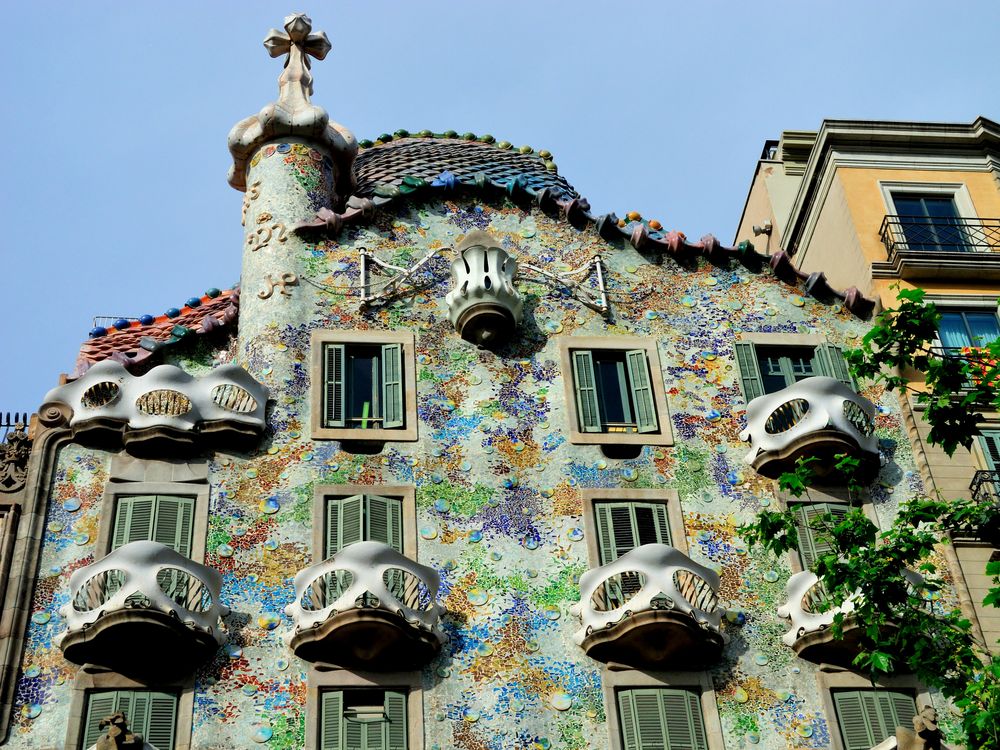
[114,193]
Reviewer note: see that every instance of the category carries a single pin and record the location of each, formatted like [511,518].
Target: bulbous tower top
[294,115]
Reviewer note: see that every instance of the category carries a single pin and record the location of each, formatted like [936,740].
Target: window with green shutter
[621,527]
[868,717]
[813,538]
[167,519]
[614,391]
[363,386]
[362,720]
[151,714]
[771,368]
[661,719]
[362,518]
[989,441]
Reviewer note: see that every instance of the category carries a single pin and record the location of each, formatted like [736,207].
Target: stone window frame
[613,680]
[407,493]
[668,497]
[616,343]
[90,679]
[323,678]
[829,681]
[317,342]
[134,476]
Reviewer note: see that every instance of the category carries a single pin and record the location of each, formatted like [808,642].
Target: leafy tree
[904,627]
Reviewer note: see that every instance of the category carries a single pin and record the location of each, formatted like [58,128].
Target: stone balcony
[143,610]
[652,608]
[367,607]
[817,417]
[811,636]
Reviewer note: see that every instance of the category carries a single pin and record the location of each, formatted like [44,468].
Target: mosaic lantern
[483,304]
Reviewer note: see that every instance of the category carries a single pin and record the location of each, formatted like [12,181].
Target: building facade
[460,464]
[896,205]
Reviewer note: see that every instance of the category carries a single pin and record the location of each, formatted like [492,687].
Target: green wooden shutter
[642,390]
[99,706]
[682,720]
[344,522]
[626,713]
[331,720]
[650,523]
[854,729]
[588,412]
[334,391]
[383,521]
[829,360]
[133,520]
[136,711]
[355,734]
[161,724]
[989,441]
[172,521]
[868,717]
[395,712]
[649,719]
[750,378]
[392,385]
[812,542]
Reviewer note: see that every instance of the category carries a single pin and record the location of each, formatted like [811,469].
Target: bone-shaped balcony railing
[653,576]
[798,415]
[149,576]
[367,575]
[804,605]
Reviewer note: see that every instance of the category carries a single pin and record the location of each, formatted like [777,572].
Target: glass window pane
[364,375]
[984,327]
[940,207]
[952,331]
[611,387]
[908,205]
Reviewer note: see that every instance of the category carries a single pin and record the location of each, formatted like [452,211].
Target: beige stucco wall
[834,246]
[973,559]
[759,209]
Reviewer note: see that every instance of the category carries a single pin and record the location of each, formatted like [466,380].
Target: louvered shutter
[395,711]
[750,378]
[642,390]
[133,520]
[903,708]
[383,524]
[649,719]
[829,360]
[392,385]
[814,543]
[137,712]
[334,391]
[588,412]
[331,721]
[344,522]
[355,734]
[682,719]
[854,728]
[161,725]
[626,713]
[650,523]
[99,706]
[989,441]
[173,519]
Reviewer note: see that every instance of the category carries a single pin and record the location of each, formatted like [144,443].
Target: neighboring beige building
[874,205]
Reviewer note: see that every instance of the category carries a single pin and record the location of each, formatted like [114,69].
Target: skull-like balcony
[818,417]
[652,608]
[811,635]
[367,607]
[143,609]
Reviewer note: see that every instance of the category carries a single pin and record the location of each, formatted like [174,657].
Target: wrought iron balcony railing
[985,487]
[939,234]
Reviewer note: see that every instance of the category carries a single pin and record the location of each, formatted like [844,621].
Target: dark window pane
[364,387]
[908,205]
[952,330]
[610,389]
[983,327]
[646,524]
[942,208]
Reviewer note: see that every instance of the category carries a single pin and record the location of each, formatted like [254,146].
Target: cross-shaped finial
[299,45]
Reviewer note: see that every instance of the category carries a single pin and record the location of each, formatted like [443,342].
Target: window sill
[371,435]
[619,438]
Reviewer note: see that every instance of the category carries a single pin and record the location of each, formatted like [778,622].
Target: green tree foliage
[904,627]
